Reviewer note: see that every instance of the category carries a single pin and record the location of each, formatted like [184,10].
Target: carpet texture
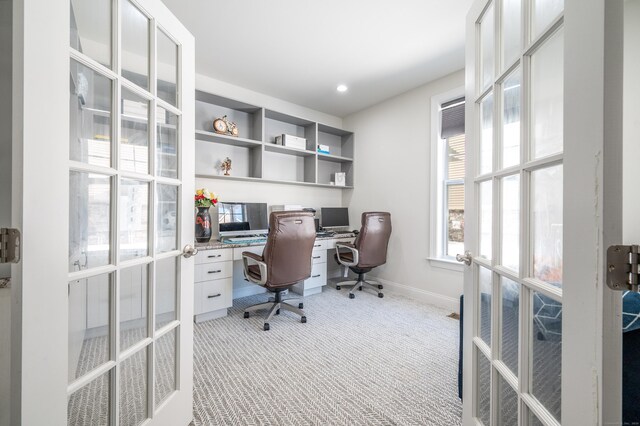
[366,361]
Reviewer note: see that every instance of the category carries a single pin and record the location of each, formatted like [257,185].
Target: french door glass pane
[544,12]
[485,304]
[135,45]
[134,289]
[167,69]
[486,217]
[134,140]
[166,217]
[167,144]
[89,220]
[89,324]
[165,365]
[89,405]
[90,106]
[511,34]
[511,222]
[547,100]
[166,291]
[484,390]
[533,420]
[510,323]
[486,135]
[133,389]
[91,29]
[546,223]
[511,120]
[455,219]
[487,37]
[508,404]
[546,352]
[134,219]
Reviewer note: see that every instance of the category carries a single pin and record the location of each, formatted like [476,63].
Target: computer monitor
[241,218]
[335,217]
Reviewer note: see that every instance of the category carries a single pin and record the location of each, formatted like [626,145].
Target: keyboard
[324,234]
[343,235]
[245,240]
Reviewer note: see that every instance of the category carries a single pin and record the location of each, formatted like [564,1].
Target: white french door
[538,213]
[105,111]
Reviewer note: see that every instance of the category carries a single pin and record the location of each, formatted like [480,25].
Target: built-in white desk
[219,274]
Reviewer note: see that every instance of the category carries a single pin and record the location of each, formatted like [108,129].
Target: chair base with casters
[274,305]
[361,283]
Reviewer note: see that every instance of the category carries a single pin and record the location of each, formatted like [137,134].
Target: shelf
[203,135]
[333,131]
[288,150]
[253,179]
[334,158]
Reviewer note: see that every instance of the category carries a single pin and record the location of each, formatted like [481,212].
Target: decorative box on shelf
[323,149]
[291,141]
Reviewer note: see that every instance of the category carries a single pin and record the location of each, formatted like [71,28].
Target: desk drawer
[213,295]
[318,276]
[237,252]
[319,256]
[213,271]
[332,243]
[320,245]
[211,256]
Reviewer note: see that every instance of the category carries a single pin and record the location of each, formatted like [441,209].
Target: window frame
[439,183]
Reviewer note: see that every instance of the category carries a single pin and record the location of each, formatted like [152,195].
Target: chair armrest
[352,249]
[258,260]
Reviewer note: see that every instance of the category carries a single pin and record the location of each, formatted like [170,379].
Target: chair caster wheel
[359,288]
[300,305]
[278,312]
[303,320]
[352,296]
[246,314]
[338,287]
[266,326]
[380,295]
[380,286]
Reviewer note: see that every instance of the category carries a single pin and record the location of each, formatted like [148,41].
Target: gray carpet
[366,361]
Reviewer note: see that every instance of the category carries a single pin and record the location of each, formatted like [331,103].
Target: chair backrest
[373,239]
[287,252]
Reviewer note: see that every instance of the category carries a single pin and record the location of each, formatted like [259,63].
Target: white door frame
[40,209]
[591,329]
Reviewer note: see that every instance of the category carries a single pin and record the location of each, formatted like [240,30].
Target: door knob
[465,258]
[189,251]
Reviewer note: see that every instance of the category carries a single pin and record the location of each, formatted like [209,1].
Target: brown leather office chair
[285,261]
[368,251]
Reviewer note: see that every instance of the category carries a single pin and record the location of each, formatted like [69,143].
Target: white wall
[631,119]
[392,173]
[260,192]
[5,194]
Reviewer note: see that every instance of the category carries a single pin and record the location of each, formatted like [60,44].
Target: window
[448,168]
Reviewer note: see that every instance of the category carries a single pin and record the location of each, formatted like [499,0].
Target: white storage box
[291,141]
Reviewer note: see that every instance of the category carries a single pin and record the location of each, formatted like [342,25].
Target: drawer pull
[315,276]
[318,245]
[211,296]
[215,272]
[317,257]
[214,256]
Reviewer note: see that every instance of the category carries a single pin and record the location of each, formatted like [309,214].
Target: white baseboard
[451,304]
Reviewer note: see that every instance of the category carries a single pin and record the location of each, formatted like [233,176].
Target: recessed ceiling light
[342,88]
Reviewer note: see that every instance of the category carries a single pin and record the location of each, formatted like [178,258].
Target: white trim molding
[451,304]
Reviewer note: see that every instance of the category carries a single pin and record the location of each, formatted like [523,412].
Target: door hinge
[9,245]
[622,267]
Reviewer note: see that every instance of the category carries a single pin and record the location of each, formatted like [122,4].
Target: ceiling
[300,50]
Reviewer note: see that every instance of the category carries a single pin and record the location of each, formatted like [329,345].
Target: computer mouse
[355,232]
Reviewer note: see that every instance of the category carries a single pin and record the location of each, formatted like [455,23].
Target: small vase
[203,225]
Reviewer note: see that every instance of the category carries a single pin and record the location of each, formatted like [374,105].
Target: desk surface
[215,244]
